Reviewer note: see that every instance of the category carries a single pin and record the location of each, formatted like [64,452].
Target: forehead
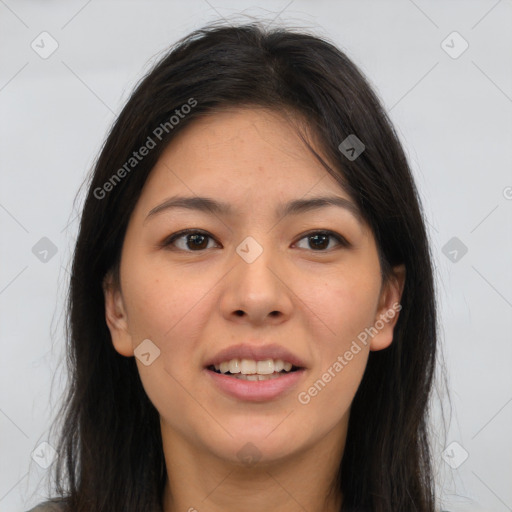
[237,152]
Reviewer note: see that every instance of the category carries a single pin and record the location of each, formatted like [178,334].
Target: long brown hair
[110,446]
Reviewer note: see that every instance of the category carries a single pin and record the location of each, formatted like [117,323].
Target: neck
[197,480]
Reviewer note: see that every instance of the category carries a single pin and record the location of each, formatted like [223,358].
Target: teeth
[247,366]
[241,376]
[267,377]
[265,367]
[224,367]
[234,366]
[253,368]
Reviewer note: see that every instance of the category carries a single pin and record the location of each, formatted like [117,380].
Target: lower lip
[256,390]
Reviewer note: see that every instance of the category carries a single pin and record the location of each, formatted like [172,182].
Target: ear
[115,316]
[388,309]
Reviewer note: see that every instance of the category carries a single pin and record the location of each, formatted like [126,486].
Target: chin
[257,444]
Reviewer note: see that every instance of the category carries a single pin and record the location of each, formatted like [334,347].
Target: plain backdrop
[452,108]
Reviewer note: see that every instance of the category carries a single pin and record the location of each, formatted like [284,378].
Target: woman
[252,315]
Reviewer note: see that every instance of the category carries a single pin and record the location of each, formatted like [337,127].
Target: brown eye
[321,240]
[189,240]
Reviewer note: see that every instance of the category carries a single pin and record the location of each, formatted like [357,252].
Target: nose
[257,292]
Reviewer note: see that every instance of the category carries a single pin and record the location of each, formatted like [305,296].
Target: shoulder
[49,506]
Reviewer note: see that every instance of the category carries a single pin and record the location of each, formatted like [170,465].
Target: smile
[250,369]
[248,384]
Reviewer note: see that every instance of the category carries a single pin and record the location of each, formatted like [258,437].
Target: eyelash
[342,242]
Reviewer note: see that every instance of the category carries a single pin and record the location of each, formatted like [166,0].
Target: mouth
[255,381]
[254,370]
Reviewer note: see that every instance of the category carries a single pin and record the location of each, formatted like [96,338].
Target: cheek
[344,306]
[328,395]
[171,312]
[339,312]
[340,307]
[169,308]
[157,298]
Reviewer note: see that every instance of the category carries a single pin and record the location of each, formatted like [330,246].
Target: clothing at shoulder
[49,506]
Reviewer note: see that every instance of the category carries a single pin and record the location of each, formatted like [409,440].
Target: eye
[194,240]
[320,240]
[191,240]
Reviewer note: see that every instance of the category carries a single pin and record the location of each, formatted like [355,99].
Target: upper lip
[256,352]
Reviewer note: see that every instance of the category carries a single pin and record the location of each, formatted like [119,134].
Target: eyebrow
[295,207]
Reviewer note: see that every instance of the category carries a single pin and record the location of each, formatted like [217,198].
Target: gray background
[453,116]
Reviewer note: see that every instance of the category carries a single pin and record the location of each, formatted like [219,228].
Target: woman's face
[255,275]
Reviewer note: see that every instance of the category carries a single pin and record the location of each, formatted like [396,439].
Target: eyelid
[175,236]
[340,239]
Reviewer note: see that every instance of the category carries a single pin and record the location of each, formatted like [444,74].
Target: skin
[185,300]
